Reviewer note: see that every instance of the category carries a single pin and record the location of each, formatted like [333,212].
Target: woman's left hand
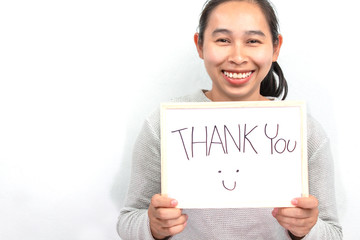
[300,219]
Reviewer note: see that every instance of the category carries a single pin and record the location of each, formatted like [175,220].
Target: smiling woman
[238,51]
[239,43]
[258,32]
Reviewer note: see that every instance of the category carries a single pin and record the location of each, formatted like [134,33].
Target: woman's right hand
[165,219]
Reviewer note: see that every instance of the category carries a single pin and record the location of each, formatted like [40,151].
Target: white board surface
[234,154]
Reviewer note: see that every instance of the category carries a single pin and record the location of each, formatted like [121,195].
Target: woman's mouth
[237,78]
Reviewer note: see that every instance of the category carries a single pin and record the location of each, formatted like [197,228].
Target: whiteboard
[234,154]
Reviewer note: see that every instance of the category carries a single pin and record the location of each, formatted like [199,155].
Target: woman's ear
[277,48]
[198,45]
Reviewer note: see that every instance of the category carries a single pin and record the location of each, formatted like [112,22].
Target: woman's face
[238,51]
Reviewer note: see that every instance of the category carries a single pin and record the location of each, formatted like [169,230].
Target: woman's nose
[237,54]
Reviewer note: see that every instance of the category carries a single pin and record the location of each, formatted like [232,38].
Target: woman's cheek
[215,55]
[263,58]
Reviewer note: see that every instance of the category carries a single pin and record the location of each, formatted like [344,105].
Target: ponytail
[270,87]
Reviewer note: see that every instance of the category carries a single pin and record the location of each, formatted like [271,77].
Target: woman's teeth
[237,75]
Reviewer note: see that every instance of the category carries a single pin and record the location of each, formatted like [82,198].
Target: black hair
[273,86]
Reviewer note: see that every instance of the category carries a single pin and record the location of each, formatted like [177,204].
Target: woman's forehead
[238,15]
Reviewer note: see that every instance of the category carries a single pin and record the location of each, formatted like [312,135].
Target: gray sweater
[224,224]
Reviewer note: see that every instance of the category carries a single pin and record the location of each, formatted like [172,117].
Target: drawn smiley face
[234,184]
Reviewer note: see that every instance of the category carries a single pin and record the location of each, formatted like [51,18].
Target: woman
[239,43]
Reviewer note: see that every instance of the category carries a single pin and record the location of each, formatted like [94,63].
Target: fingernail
[173,202]
[294,201]
[275,211]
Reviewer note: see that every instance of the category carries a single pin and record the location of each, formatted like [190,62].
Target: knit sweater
[224,224]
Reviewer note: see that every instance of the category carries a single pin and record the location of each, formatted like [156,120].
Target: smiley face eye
[236,171]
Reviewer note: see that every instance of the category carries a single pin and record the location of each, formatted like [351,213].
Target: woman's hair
[269,86]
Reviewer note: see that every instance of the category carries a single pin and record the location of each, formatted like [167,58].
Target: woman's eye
[222,40]
[253,41]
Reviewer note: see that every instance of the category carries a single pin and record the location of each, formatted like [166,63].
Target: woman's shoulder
[153,119]
[197,96]
[316,135]
[314,127]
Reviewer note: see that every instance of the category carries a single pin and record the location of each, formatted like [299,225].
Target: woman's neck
[210,95]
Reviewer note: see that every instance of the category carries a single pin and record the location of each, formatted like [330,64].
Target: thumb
[162,201]
[306,202]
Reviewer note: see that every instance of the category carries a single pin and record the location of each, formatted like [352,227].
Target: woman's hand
[165,219]
[300,219]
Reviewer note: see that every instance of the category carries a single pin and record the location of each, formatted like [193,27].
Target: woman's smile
[237,78]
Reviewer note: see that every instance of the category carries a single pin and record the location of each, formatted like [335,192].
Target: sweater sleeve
[145,182]
[321,183]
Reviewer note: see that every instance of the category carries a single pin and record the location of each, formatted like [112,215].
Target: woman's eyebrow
[228,32]
[221,30]
[255,32]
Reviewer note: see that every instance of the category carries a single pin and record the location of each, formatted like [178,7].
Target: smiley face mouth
[229,189]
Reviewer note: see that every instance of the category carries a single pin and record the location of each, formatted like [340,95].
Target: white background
[78,77]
